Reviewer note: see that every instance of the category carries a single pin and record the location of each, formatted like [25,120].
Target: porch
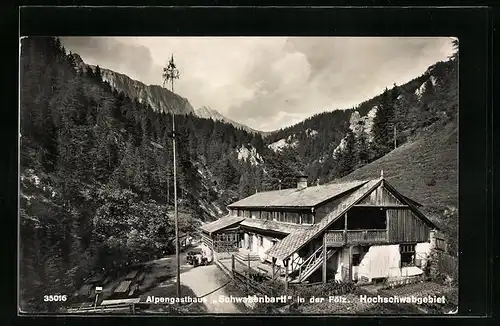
[356,237]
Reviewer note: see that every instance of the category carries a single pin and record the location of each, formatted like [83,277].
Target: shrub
[431,182]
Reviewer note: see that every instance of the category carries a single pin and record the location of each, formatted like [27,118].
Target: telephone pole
[170,72]
[395,137]
[394,133]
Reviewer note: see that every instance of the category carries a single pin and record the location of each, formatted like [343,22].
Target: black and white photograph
[238,175]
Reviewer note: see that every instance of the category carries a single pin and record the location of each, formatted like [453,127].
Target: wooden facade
[401,223]
[226,242]
[295,216]
[379,216]
[404,226]
[353,237]
[380,197]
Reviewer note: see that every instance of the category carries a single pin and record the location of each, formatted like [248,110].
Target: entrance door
[241,241]
[250,242]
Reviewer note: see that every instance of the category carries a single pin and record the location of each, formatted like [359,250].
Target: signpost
[98,290]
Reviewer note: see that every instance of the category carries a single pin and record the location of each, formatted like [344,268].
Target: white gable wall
[385,261]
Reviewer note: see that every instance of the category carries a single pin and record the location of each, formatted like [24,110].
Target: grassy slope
[425,170]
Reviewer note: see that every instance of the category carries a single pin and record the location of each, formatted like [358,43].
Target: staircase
[312,263]
[246,255]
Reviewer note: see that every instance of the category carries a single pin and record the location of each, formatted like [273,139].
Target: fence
[345,274]
[247,275]
[441,244]
[106,309]
[447,264]
[355,236]
[222,255]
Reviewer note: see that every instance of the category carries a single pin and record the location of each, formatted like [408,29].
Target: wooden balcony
[341,237]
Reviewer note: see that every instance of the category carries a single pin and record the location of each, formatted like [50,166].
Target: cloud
[269,83]
[133,59]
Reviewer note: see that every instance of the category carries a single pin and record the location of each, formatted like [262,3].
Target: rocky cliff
[209,113]
[160,99]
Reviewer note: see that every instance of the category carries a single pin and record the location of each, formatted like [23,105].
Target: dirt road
[205,279]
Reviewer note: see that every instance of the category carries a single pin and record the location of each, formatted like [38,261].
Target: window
[240,213]
[261,240]
[246,214]
[307,218]
[280,216]
[292,217]
[407,252]
[264,215]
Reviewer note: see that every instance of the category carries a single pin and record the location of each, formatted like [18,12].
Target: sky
[269,83]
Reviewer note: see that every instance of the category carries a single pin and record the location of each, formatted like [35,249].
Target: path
[205,279]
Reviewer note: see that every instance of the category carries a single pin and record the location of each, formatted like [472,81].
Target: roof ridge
[292,197]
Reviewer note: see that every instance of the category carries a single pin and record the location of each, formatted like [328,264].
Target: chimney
[301,182]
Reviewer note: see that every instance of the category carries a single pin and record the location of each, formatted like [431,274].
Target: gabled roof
[293,242]
[415,203]
[273,226]
[221,223]
[298,239]
[306,198]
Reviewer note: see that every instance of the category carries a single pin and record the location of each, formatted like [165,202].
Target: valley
[112,135]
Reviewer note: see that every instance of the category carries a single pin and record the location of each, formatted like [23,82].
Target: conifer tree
[347,156]
[381,126]
[97,74]
[362,149]
[455,45]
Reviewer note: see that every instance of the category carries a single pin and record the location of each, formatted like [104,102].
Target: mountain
[160,99]
[414,106]
[97,171]
[408,131]
[209,113]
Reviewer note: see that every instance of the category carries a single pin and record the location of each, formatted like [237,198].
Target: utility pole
[395,133]
[170,72]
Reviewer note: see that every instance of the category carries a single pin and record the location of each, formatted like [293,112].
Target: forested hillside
[97,176]
[97,166]
[426,170]
[333,144]
[158,98]
[408,131]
